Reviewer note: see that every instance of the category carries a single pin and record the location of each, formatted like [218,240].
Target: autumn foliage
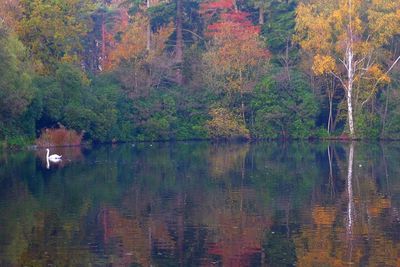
[59,137]
[133,43]
[224,124]
[236,43]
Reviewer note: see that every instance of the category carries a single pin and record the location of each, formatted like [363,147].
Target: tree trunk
[330,113]
[235,5]
[331,93]
[103,42]
[287,63]
[350,80]
[242,109]
[148,44]
[261,15]
[350,111]
[385,114]
[179,43]
[350,72]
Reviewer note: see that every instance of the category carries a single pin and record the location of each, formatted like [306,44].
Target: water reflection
[201,204]
[69,154]
[350,201]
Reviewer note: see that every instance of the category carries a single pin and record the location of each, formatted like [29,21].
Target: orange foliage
[133,43]
[323,215]
[239,46]
[120,19]
[59,137]
[9,12]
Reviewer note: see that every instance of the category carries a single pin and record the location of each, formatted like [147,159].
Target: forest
[133,70]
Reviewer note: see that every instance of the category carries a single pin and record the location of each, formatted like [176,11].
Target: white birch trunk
[350,106]
[350,73]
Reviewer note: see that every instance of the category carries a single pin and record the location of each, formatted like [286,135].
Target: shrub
[224,124]
[59,137]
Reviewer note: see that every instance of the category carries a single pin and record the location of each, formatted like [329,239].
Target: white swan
[53,157]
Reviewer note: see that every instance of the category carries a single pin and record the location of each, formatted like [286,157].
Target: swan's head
[48,150]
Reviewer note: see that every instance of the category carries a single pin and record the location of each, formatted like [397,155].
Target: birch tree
[346,39]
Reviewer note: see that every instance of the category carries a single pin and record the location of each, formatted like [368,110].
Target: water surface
[203,204]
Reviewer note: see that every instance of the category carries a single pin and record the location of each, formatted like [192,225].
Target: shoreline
[4,146]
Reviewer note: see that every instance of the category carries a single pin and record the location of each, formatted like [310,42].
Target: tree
[261,5]
[53,30]
[283,108]
[224,125]
[236,55]
[346,39]
[16,90]
[138,68]
[9,13]
[109,20]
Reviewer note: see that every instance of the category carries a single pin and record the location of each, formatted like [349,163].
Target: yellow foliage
[323,64]
[377,74]
[224,124]
[329,29]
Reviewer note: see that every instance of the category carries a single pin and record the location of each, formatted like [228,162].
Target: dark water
[202,204]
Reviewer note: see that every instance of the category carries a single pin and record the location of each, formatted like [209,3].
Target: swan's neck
[47,154]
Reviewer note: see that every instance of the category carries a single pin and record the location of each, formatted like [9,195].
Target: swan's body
[53,157]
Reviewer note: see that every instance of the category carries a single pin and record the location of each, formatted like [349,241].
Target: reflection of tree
[127,234]
[238,234]
[224,159]
[18,221]
[353,231]
[161,205]
[350,201]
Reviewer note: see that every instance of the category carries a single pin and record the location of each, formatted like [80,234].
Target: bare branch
[340,79]
[378,80]
[392,66]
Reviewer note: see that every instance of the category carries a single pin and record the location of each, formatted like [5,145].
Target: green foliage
[18,141]
[53,30]
[367,125]
[169,114]
[69,100]
[46,57]
[284,112]
[16,90]
[390,100]
[282,250]
[280,25]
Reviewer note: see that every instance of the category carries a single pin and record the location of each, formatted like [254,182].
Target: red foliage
[214,5]
[59,137]
[238,17]
[238,30]
[230,20]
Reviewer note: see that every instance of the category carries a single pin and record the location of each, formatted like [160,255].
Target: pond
[202,204]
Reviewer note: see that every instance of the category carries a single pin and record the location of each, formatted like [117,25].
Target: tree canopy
[186,69]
